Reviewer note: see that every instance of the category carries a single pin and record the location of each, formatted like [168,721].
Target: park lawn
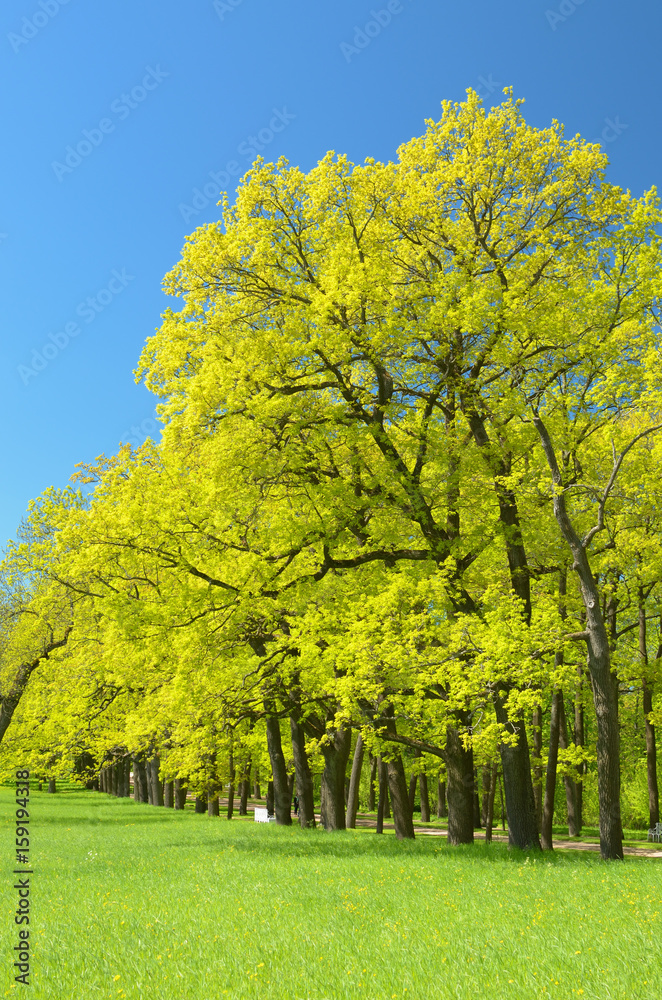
[131,901]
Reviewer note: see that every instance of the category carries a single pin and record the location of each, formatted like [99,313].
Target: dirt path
[563,845]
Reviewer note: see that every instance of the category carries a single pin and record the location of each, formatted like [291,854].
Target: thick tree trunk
[304,779]
[114,779]
[336,754]
[52,786]
[213,804]
[155,781]
[397,786]
[569,785]
[552,761]
[536,736]
[279,771]
[257,794]
[383,783]
[489,819]
[460,790]
[201,803]
[425,798]
[520,804]
[371,784]
[180,793]
[169,795]
[354,783]
[140,784]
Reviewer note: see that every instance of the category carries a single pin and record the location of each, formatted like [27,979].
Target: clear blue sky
[171,91]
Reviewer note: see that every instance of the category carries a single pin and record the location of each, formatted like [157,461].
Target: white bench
[656,832]
[262,816]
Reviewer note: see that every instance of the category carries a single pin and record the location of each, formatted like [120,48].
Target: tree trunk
[604,683]
[244,789]
[552,761]
[213,804]
[651,759]
[371,784]
[460,792]
[169,794]
[489,819]
[486,777]
[336,754]
[140,783]
[579,741]
[257,794]
[441,799]
[127,776]
[154,781]
[520,804]
[647,691]
[180,793]
[411,793]
[201,803]
[114,778]
[279,771]
[397,786]
[304,779]
[536,727]
[383,782]
[425,798]
[354,783]
[51,786]
[570,785]
[476,802]
[231,769]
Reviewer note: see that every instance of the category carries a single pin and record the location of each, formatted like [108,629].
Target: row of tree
[408,487]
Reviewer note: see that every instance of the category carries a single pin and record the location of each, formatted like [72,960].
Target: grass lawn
[131,901]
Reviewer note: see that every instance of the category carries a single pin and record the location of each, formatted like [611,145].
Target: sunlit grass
[138,902]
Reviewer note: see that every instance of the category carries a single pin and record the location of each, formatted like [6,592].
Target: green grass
[137,902]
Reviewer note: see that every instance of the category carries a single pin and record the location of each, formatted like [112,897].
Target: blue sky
[122,120]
